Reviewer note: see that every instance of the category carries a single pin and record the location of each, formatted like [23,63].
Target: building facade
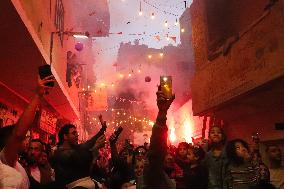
[238,49]
[40,32]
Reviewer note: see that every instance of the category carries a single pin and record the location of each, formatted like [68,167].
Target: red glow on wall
[183,125]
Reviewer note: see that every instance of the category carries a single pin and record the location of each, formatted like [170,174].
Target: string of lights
[102,85]
[157,36]
[154,35]
[126,100]
[159,9]
[176,5]
[156,6]
[132,72]
[122,117]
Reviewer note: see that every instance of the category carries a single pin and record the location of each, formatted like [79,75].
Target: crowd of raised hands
[101,163]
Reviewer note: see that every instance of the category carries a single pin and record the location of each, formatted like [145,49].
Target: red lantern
[79,46]
[147,79]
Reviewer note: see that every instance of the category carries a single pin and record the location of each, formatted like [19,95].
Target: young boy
[196,175]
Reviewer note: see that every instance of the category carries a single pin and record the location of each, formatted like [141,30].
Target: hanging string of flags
[156,36]
[176,5]
[120,76]
[119,99]
[159,9]
[157,6]
[108,49]
[140,34]
[122,117]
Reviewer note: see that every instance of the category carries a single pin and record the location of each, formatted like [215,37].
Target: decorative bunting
[126,100]
[174,39]
[92,13]
[158,8]
[158,38]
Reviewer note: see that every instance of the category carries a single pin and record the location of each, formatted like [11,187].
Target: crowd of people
[97,163]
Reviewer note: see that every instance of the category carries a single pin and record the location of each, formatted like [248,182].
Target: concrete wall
[253,60]
[262,122]
[186,36]
[227,18]
[244,85]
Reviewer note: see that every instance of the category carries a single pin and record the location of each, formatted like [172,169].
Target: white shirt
[277,178]
[25,183]
[10,178]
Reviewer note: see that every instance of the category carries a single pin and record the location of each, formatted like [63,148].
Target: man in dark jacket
[68,141]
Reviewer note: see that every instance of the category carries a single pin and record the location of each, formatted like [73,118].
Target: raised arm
[112,141]
[13,145]
[89,144]
[158,142]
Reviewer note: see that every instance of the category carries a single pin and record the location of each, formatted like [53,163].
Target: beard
[31,161]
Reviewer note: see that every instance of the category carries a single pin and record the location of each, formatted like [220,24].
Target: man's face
[264,172]
[169,160]
[191,157]
[141,154]
[72,136]
[35,151]
[215,135]
[139,166]
[182,151]
[274,153]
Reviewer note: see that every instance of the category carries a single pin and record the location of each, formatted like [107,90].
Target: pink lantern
[79,46]
[147,79]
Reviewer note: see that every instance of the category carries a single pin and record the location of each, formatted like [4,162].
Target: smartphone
[45,71]
[166,86]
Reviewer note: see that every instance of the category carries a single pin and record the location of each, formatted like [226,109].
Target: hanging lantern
[147,79]
[79,46]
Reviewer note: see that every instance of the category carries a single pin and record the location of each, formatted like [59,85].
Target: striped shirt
[242,176]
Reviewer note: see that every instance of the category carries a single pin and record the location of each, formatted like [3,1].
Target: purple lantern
[147,79]
[79,46]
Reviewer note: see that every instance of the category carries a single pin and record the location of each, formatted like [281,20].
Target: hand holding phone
[43,87]
[45,71]
[166,86]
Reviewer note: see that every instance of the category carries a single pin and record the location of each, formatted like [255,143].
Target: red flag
[100,32]
[116,33]
[158,38]
[174,39]
[92,13]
